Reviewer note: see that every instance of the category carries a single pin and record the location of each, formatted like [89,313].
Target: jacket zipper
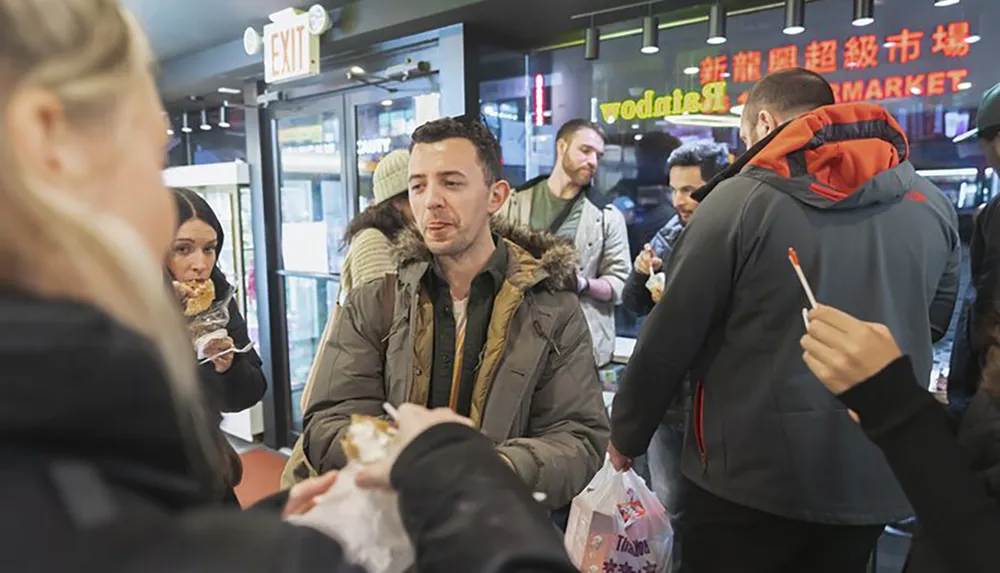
[699,424]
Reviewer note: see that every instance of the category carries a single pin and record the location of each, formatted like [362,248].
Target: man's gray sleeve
[698,283]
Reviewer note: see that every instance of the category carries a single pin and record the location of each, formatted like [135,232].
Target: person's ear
[40,137]
[499,192]
[561,146]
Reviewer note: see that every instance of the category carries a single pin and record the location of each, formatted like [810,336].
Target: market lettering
[898,87]
[633,548]
[711,99]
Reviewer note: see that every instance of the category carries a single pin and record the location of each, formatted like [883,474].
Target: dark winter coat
[954,485]
[874,238]
[96,477]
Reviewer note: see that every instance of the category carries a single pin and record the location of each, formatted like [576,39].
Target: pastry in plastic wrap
[201,298]
[365,522]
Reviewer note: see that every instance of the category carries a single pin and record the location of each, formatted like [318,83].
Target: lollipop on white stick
[794,258]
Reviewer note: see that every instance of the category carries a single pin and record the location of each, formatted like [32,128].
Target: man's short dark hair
[794,91]
[707,155]
[472,130]
[569,129]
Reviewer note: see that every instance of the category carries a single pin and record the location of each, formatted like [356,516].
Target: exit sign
[290,50]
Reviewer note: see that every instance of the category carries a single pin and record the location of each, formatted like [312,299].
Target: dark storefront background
[200,147]
[928,66]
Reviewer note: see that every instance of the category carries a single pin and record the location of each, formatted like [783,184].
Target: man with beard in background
[565,203]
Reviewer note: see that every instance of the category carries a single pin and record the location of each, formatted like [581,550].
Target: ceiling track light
[184,123]
[205,126]
[592,42]
[650,34]
[223,121]
[864,13]
[795,17]
[716,24]
[943,3]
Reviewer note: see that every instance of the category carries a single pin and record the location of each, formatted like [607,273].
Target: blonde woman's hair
[90,54]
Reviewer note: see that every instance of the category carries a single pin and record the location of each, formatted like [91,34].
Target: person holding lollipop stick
[953,482]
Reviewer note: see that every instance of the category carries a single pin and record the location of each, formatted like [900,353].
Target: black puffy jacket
[94,475]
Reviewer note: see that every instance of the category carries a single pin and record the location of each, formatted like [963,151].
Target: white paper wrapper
[366,523]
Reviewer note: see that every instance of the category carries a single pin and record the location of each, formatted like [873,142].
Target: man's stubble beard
[576,175]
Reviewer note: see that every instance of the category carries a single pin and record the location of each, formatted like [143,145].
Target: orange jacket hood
[837,156]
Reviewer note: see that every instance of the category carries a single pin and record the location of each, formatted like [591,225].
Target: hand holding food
[302,496]
[647,262]
[217,346]
[359,509]
[843,351]
[197,296]
[411,420]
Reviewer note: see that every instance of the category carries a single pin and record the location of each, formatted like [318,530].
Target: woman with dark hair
[952,479]
[370,237]
[234,380]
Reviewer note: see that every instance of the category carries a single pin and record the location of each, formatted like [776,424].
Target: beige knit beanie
[391,175]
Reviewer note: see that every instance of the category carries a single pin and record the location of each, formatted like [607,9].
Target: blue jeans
[665,464]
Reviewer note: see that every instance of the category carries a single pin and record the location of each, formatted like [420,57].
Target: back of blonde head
[88,53]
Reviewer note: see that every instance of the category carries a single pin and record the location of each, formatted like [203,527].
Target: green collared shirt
[485,287]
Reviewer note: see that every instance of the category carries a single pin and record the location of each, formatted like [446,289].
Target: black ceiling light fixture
[716,24]
[864,13]
[650,33]
[592,42]
[223,121]
[795,17]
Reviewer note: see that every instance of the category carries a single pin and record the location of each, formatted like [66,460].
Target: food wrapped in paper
[365,522]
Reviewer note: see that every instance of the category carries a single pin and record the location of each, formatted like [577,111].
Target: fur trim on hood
[554,256]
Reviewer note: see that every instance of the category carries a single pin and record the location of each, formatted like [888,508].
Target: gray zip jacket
[602,244]
[874,239]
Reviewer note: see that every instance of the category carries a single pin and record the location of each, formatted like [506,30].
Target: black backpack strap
[564,213]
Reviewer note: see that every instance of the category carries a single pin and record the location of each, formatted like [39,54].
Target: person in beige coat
[370,235]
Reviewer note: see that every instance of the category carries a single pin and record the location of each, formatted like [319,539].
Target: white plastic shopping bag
[618,526]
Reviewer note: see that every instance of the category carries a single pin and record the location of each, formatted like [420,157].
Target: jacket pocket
[699,423]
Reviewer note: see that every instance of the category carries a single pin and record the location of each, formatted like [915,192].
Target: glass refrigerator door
[384,126]
[314,214]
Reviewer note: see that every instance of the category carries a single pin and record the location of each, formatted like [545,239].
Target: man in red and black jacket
[779,478]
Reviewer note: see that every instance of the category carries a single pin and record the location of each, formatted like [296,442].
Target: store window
[316,202]
[928,66]
[385,126]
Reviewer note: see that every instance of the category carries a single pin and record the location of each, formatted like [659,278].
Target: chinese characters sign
[857,53]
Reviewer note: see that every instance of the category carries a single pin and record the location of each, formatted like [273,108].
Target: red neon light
[746,67]
[782,58]
[539,99]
